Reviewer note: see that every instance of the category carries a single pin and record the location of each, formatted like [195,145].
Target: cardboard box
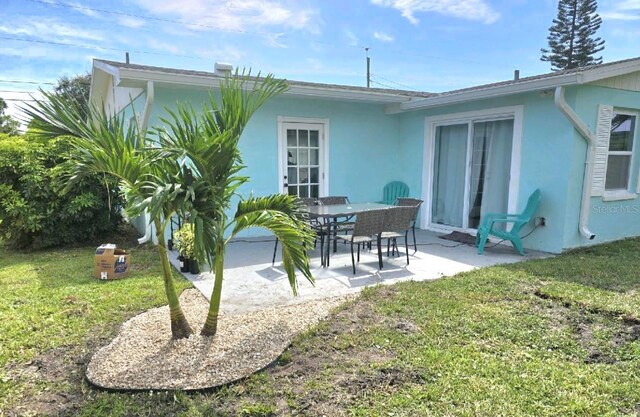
[111,262]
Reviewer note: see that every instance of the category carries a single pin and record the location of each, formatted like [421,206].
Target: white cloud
[131,22]
[477,10]
[81,8]
[623,10]
[276,40]
[50,28]
[237,15]
[619,16]
[383,37]
[40,52]
[352,39]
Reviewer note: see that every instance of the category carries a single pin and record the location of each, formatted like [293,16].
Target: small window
[620,152]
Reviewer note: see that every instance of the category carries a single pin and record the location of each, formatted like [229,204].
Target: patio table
[336,211]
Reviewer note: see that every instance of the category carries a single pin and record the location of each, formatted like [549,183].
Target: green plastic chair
[519,220]
[393,191]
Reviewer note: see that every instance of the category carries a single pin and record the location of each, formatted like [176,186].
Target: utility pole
[366,50]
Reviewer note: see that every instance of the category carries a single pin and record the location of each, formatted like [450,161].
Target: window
[620,152]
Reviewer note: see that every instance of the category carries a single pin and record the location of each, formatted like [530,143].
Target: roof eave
[492,92]
[609,71]
[132,77]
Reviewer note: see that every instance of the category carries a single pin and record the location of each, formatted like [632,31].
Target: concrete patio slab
[252,283]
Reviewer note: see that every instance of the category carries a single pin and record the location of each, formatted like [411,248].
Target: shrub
[35,213]
[184,240]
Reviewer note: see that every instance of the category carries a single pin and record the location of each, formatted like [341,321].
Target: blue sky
[427,45]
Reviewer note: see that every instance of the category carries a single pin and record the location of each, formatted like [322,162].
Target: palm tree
[102,144]
[208,146]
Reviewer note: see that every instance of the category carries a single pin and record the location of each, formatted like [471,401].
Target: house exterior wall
[368,148]
[135,107]
[609,220]
[362,147]
[547,143]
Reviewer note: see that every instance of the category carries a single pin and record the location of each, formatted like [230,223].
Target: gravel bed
[143,356]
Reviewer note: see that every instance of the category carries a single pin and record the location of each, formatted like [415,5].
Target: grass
[548,337]
[54,313]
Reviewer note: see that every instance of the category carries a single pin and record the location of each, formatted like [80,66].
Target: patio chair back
[393,191]
[399,218]
[409,201]
[333,200]
[369,223]
[308,201]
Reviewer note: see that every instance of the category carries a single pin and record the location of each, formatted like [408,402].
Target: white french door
[472,165]
[303,159]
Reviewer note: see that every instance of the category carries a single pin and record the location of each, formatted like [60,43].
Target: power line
[18,99]
[19,92]
[384,85]
[393,82]
[77,45]
[24,82]
[157,19]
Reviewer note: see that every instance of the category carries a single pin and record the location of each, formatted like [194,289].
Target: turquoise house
[572,134]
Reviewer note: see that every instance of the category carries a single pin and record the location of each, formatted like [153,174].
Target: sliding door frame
[432,123]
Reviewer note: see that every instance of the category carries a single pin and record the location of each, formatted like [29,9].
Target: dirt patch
[64,366]
[584,324]
[326,376]
[384,378]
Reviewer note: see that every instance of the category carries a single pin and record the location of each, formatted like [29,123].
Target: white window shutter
[603,132]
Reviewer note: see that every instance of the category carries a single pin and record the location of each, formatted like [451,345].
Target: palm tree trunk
[211,324]
[180,327]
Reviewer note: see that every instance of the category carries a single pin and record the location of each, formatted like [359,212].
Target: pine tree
[571,37]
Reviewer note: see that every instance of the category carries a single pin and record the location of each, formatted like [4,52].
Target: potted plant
[184,242]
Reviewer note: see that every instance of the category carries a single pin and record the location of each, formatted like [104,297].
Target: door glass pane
[303,138]
[314,176]
[315,191]
[303,191]
[292,176]
[314,156]
[304,175]
[450,155]
[303,155]
[618,172]
[293,190]
[490,169]
[314,138]
[291,137]
[292,157]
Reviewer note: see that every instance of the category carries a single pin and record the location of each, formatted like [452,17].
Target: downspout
[148,235]
[587,182]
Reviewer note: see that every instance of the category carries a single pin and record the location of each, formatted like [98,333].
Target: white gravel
[143,356]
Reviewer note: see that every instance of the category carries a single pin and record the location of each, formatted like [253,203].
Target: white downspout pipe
[148,235]
[590,138]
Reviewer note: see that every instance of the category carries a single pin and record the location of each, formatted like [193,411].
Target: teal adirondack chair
[518,220]
[393,191]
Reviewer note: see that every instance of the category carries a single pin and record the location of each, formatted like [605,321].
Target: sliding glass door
[471,172]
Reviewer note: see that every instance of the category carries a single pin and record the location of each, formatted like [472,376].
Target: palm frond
[284,217]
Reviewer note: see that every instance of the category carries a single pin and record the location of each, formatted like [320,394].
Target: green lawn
[54,314]
[549,337]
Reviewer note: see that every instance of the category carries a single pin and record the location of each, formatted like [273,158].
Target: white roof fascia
[491,92]
[109,69]
[127,75]
[609,71]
